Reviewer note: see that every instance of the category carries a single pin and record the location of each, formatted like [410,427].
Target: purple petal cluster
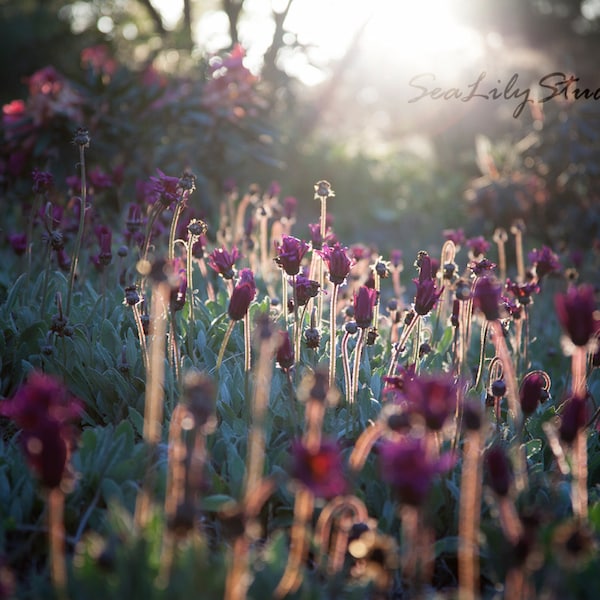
[338,262]
[290,253]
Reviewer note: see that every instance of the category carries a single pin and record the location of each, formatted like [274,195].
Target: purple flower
[573,418]
[164,188]
[44,410]
[478,246]
[104,235]
[338,262]
[434,397]
[364,303]
[455,235]
[482,267]
[575,311]
[305,289]
[319,469]
[285,351]
[498,470]
[427,293]
[242,295]
[42,181]
[545,261]
[18,242]
[522,291]
[486,297]
[223,262]
[405,465]
[290,252]
[289,207]
[531,392]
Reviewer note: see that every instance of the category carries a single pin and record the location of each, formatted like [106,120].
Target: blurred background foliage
[332,102]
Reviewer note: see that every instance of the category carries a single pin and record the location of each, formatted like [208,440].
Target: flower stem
[79,238]
[356,367]
[332,334]
[224,344]
[173,230]
[56,527]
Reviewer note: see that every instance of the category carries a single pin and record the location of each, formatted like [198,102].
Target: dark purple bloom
[104,235]
[364,303]
[223,262]
[289,207]
[498,470]
[405,465]
[323,190]
[532,392]
[478,246]
[42,181]
[522,291]
[338,262]
[575,311]
[319,469]
[290,252]
[573,418]
[427,293]
[486,297]
[482,267]
[18,242]
[434,397]
[513,308]
[545,261]
[455,235]
[285,351]
[305,289]
[100,180]
[164,188]
[242,295]
[44,410]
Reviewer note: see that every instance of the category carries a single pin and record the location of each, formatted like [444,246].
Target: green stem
[78,240]
[356,369]
[224,344]
[173,230]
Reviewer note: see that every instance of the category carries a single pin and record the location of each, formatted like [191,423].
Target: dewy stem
[78,240]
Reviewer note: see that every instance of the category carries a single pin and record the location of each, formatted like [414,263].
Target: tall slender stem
[79,238]
[56,528]
[332,333]
[173,230]
[356,368]
[323,231]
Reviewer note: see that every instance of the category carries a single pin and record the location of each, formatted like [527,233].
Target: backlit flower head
[478,246]
[427,293]
[499,473]
[364,303]
[285,351]
[434,397]
[338,262]
[545,261]
[486,297]
[576,310]
[406,466]
[532,392]
[305,289]
[242,295]
[290,253]
[223,262]
[572,419]
[45,411]
[320,470]
[164,188]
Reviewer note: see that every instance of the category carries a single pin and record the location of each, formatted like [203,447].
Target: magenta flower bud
[478,246]
[434,397]
[573,419]
[406,466]
[305,289]
[531,392]
[242,296]
[18,242]
[104,235]
[290,253]
[285,351]
[498,470]
[545,261]
[223,262]
[427,293]
[486,297]
[576,313]
[320,470]
[364,303]
[338,262]
[289,207]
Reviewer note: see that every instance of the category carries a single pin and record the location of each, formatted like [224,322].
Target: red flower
[531,392]
[364,303]
[338,262]
[320,470]
[407,468]
[575,311]
[290,253]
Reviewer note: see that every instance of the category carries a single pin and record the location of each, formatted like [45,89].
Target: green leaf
[216,502]
[533,447]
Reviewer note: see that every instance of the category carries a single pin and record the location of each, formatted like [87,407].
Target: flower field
[210,399]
